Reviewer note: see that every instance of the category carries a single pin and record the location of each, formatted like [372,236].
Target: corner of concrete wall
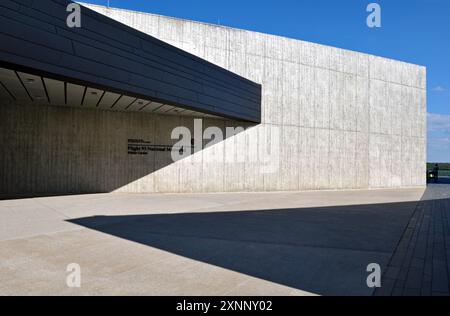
[336,119]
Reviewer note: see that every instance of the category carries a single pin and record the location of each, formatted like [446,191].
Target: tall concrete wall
[346,120]
[61,150]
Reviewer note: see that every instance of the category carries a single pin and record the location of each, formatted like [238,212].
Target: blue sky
[414,31]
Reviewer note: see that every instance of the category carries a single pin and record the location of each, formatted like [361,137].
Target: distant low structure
[92,109]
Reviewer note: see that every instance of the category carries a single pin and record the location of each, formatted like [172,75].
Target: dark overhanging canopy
[113,61]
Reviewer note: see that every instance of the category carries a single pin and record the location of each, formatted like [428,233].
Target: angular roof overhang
[113,60]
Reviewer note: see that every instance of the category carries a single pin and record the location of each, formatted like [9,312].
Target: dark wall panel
[110,55]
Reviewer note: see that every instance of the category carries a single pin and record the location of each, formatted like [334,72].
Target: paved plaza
[420,263]
[300,243]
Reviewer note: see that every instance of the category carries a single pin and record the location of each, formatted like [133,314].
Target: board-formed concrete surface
[331,119]
[298,243]
[347,120]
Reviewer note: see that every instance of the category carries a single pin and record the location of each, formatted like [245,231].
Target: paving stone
[412,292]
[414,278]
[440,294]
[426,288]
[386,288]
[391,273]
[398,291]
[440,279]
[420,263]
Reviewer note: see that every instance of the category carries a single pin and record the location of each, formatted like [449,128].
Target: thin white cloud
[439,143]
[439,89]
[438,123]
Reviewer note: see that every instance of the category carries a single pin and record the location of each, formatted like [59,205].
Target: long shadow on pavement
[323,250]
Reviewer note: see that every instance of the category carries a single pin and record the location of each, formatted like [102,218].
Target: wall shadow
[59,150]
[322,250]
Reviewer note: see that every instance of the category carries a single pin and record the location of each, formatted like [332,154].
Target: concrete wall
[346,120]
[61,150]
